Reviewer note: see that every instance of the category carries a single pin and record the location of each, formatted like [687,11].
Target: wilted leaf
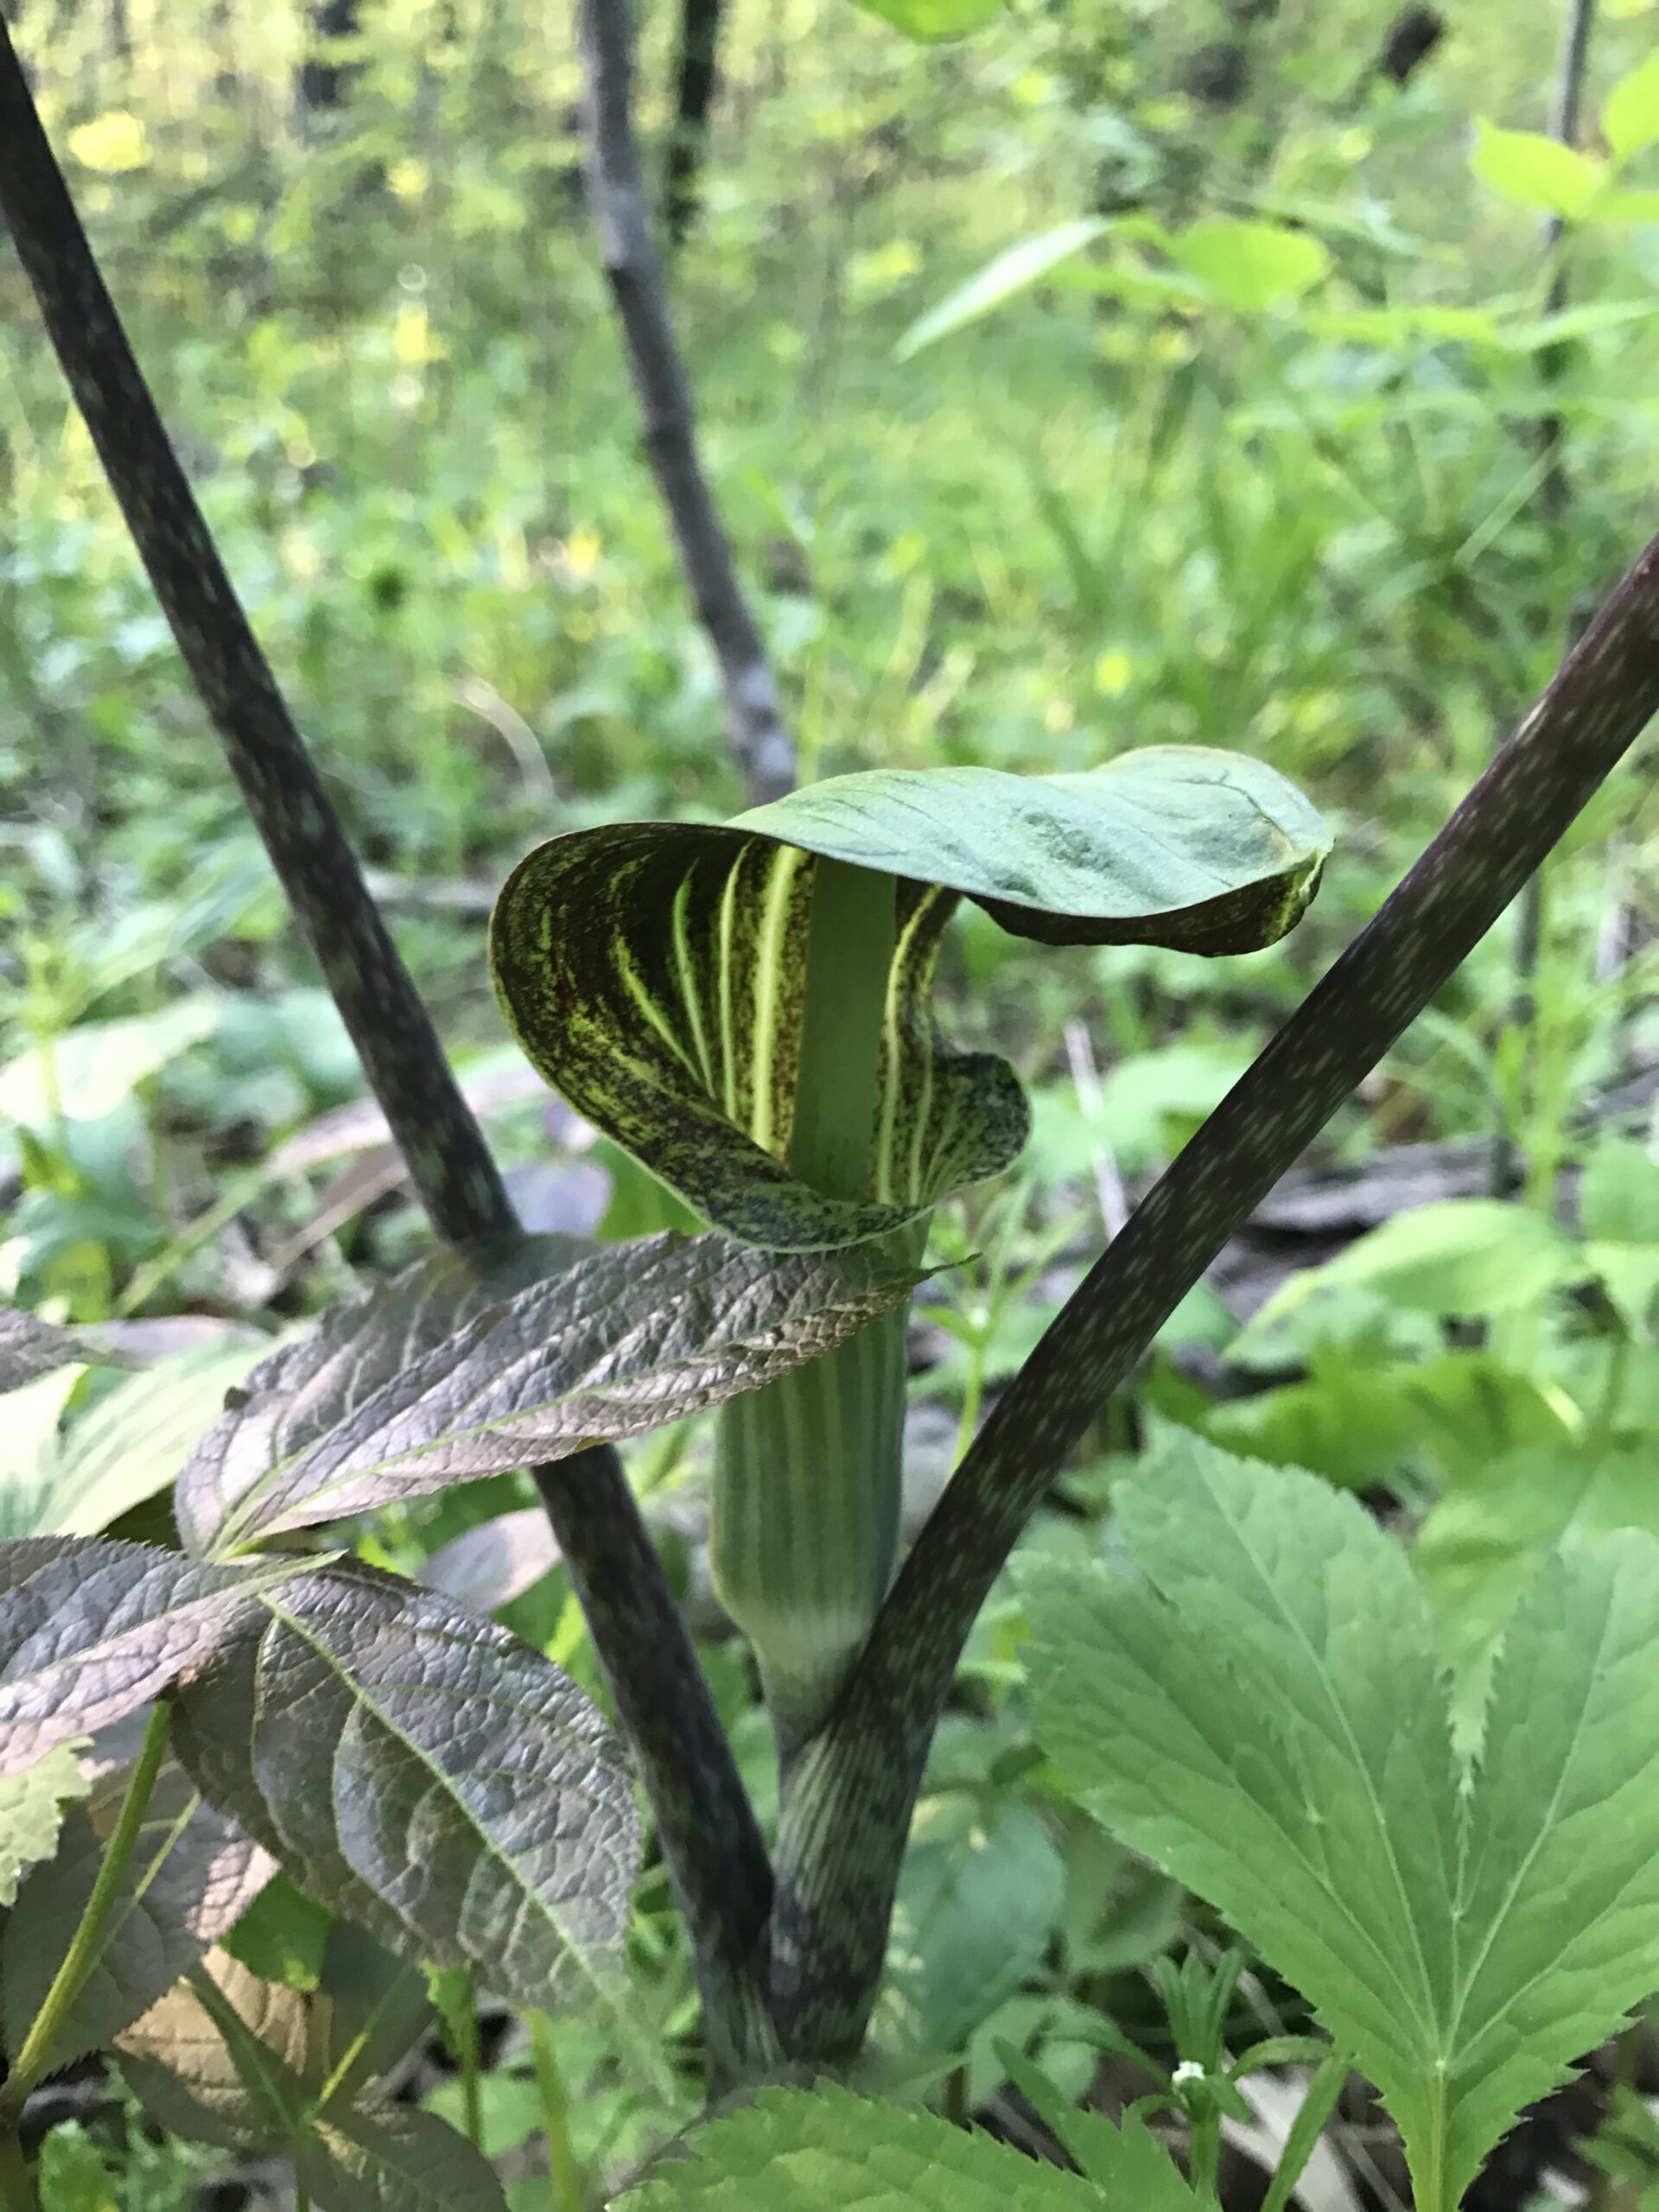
[624,1340]
[427,1774]
[1015,268]
[90,1628]
[488,1566]
[32,1806]
[191,1873]
[1264,1716]
[221,2058]
[800,2151]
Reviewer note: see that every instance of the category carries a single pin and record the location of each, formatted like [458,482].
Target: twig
[715,1858]
[843,1833]
[1550,434]
[765,752]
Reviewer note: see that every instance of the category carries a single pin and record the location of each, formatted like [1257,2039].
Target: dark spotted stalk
[849,1811]
[710,1841]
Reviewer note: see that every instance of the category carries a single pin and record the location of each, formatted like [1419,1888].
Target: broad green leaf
[1013,271]
[655,972]
[373,2155]
[1618,1195]
[370,2011]
[221,2058]
[624,1339]
[801,2150]
[980,1890]
[93,1069]
[1457,1256]
[1249,266]
[1625,208]
[90,1629]
[131,1444]
[190,1876]
[1537,171]
[32,1808]
[72,2176]
[934,19]
[1630,114]
[1263,1715]
[423,1771]
[1484,1540]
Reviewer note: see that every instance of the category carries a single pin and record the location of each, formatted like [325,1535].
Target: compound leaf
[90,1628]
[424,1772]
[221,2057]
[622,1340]
[1263,1716]
[191,1874]
[373,2155]
[798,2151]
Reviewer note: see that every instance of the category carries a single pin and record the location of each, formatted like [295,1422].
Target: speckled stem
[616,191]
[844,1830]
[713,1849]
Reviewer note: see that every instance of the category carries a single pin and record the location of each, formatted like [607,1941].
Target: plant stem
[35,2058]
[471,2070]
[842,1834]
[555,2117]
[716,1859]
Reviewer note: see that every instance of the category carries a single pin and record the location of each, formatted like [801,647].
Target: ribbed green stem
[807,1481]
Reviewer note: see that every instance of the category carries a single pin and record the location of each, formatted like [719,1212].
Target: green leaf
[1630,114]
[190,1876]
[1536,171]
[620,1341]
[72,2176]
[425,1773]
[32,1805]
[978,1898]
[1455,1257]
[654,973]
[799,2150]
[1627,208]
[1012,271]
[371,2156]
[90,1629]
[1249,266]
[370,2010]
[221,2058]
[95,1067]
[928,20]
[130,1445]
[1264,1717]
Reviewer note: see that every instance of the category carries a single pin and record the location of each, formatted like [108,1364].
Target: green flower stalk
[746,1008]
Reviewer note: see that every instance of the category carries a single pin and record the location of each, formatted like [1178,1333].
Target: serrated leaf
[1263,1716]
[90,1628]
[624,1340]
[978,1898]
[1536,171]
[655,972]
[799,2150]
[1012,270]
[32,1806]
[30,1347]
[221,2058]
[1630,114]
[376,2157]
[131,1444]
[191,1874]
[425,1773]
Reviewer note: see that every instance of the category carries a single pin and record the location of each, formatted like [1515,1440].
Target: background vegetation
[1332,490]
